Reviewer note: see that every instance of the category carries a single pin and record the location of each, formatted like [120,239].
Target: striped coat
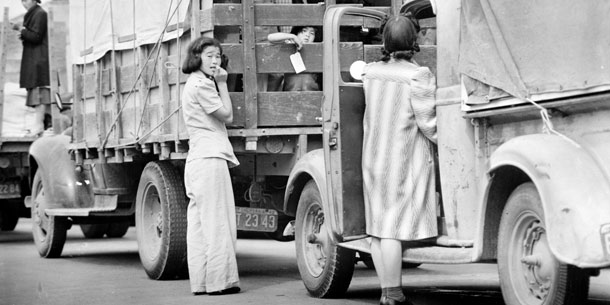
[398,153]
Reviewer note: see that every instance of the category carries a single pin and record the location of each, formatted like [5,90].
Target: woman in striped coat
[398,154]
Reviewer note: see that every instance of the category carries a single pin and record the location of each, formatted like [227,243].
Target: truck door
[343,111]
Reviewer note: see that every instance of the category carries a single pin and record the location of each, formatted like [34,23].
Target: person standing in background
[34,73]
[211,224]
[398,154]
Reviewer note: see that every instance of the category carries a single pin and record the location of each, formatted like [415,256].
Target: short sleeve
[423,101]
[207,96]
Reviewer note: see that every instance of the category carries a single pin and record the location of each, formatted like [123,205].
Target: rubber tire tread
[572,286]
[53,243]
[339,269]
[172,260]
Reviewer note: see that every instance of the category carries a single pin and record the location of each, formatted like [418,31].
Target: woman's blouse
[208,136]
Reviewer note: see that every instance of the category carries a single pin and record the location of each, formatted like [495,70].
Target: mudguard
[310,166]
[65,187]
[574,186]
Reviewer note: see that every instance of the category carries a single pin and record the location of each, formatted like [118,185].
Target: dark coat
[35,59]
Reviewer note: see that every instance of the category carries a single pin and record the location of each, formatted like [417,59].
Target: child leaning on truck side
[292,81]
[398,154]
[211,223]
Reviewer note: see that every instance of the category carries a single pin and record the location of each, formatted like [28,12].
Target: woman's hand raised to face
[220,75]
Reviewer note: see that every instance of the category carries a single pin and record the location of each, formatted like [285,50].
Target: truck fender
[309,167]
[574,189]
[65,186]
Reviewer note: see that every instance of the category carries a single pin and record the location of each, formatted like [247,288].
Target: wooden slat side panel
[273,58]
[289,108]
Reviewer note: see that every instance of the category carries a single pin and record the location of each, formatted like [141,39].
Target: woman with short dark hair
[398,154]
[211,224]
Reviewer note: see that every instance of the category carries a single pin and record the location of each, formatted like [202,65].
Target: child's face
[210,60]
[307,35]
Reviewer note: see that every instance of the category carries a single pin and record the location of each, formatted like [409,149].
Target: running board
[432,254]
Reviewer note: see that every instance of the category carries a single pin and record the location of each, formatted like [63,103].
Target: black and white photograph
[391,152]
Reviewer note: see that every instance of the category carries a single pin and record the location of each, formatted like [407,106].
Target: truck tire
[117,229]
[161,221]
[326,268]
[529,273]
[49,232]
[9,215]
[94,231]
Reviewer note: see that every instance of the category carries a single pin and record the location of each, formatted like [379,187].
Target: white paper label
[297,62]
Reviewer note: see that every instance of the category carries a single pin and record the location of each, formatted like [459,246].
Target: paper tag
[297,62]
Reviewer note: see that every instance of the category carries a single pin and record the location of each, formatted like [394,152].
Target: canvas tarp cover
[97,26]
[526,47]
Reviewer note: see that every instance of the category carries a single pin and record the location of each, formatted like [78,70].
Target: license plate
[605,233]
[253,219]
[10,189]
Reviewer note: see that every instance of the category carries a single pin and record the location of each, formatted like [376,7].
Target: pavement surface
[108,271]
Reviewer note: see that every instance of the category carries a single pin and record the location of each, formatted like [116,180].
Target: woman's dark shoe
[230,290]
[388,301]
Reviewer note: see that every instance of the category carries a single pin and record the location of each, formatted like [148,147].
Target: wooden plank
[89,84]
[127,78]
[118,99]
[196,7]
[163,87]
[225,14]
[249,55]
[99,105]
[290,108]
[280,108]
[78,126]
[274,131]
[143,88]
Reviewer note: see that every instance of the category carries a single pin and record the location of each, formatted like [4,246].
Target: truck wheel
[49,232]
[96,230]
[9,215]
[117,229]
[529,273]
[161,221]
[325,267]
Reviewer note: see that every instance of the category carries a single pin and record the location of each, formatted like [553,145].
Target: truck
[15,134]
[122,159]
[522,103]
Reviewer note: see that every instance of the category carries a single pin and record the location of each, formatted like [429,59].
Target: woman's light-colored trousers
[211,231]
